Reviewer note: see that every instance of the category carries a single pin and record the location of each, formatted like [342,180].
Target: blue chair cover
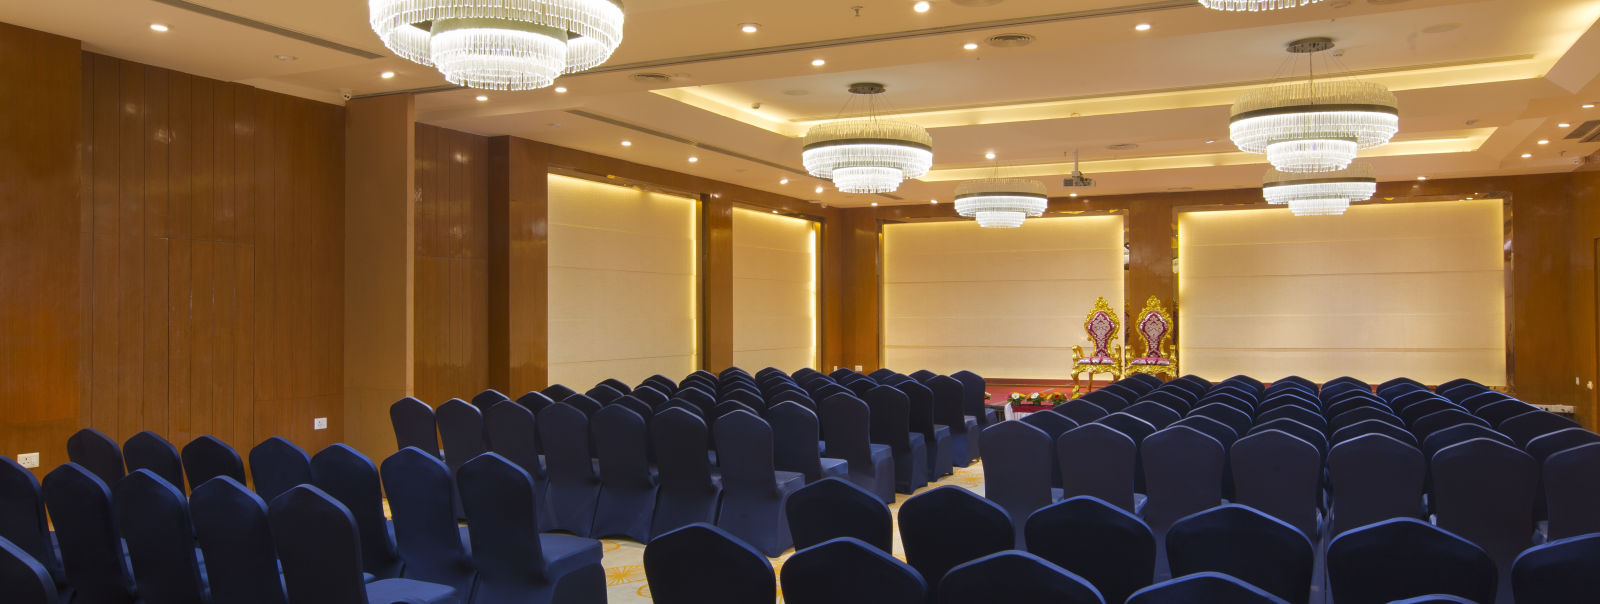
[1080,411]
[26,581]
[1136,429]
[425,530]
[1183,475]
[461,430]
[651,395]
[205,458]
[949,525]
[574,486]
[948,394]
[750,399]
[845,421]
[154,519]
[1279,475]
[1014,577]
[1572,494]
[514,434]
[702,564]
[1477,402]
[584,404]
[96,452]
[486,399]
[1315,420]
[1203,587]
[91,549]
[557,392]
[534,401]
[753,490]
[277,465]
[1460,433]
[1543,446]
[1403,558]
[1296,429]
[1247,544]
[603,393]
[1110,476]
[627,490]
[1212,428]
[320,550]
[515,563]
[644,410]
[1373,426]
[148,451]
[850,571]
[1528,426]
[348,476]
[935,436]
[1439,420]
[1158,415]
[1234,418]
[230,524]
[618,385]
[1435,599]
[832,508]
[1374,477]
[1014,474]
[1499,411]
[1558,572]
[1485,492]
[795,434]
[1107,546]
[22,518]
[1054,425]
[974,388]
[688,492]
[414,425]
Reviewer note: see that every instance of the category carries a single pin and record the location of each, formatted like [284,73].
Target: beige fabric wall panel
[1386,290]
[622,283]
[774,291]
[1000,302]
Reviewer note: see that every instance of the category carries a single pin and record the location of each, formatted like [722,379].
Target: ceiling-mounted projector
[1077,179]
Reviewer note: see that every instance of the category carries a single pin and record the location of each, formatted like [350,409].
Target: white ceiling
[1479,81]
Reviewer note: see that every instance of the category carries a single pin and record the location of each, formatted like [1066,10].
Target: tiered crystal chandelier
[1314,126]
[1254,5]
[1322,193]
[1001,203]
[500,44]
[868,155]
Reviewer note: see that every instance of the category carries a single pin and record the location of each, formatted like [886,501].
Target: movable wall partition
[774,290]
[1387,290]
[1001,302]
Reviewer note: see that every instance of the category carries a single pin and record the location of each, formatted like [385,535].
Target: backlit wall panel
[774,291]
[623,284]
[1386,290]
[1005,303]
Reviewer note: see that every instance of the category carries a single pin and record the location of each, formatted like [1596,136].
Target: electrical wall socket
[858,368]
[320,423]
[28,460]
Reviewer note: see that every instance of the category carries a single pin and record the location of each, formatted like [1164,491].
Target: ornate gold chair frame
[1102,326]
[1154,326]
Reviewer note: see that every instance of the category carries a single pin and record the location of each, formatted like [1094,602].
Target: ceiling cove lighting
[868,155]
[500,44]
[1252,6]
[1320,194]
[1314,126]
[1001,203]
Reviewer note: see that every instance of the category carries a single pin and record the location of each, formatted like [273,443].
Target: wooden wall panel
[215,235]
[452,248]
[716,284]
[519,243]
[1584,196]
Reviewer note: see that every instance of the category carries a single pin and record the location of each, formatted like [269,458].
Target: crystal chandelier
[1001,203]
[1314,126]
[1254,5]
[868,155]
[500,44]
[1320,194]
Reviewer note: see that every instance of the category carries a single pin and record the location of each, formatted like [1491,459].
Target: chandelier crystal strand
[868,155]
[1254,5]
[1320,194]
[1000,220]
[1001,202]
[1314,126]
[500,44]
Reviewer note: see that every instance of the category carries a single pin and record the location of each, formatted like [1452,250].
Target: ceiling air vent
[1587,132]
[651,78]
[1010,40]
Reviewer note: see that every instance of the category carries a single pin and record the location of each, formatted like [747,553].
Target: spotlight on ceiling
[921,6]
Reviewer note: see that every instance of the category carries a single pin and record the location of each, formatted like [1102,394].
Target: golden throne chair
[1154,326]
[1102,326]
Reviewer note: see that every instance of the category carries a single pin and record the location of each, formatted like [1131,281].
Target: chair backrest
[506,549]
[277,465]
[1110,477]
[1533,424]
[1502,410]
[832,508]
[1245,543]
[414,425]
[945,526]
[744,451]
[461,430]
[486,399]
[1183,474]
[154,520]
[603,393]
[1557,572]
[1460,433]
[1310,435]
[1013,475]
[1014,576]
[702,564]
[1404,557]
[318,546]
[920,406]
[1439,420]
[1543,446]
[1485,491]
[1203,587]
[557,392]
[22,515]
[1136,429]
[1235,418]
[1173,399]
[973,389]
[96,452]
[1080,411]
[1106,545]
[348,476]
[1157,414]
[635,404]
[947,396]
[583,403]
[91,547]
[846,424]
[652,394]
[795,432]
[680,441]
[618,385]
[702,399]
[205,458]
[26,580]
[891,417]
[1373,426]
[1281,475]
[1212,428]
[1572,496]
[1375,477]
[514,434]
[622,443]
[846,570]
[230,524]
[425,530]
[148,451]
[1303,415]
[1053,424]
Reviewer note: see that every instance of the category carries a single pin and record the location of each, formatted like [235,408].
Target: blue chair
[230,525]
[702,564]
[949,525]
[627,497]
[1158,415]
[845,421]
[426,534]
[948,394]
[1054,425]
[320,550]
[603,393]
[91,548]
[148,451]
[1310,435]
[1531,425]
[515,563]
[1435,599]
[1234,418]
[936,437]
[534,401]
[753,490]
[1460,433]
[795,434]
[1247,544]
[1279,475]
[205,458]
[1558,572]
[891,425]
[849,571]
[514,434]
[1439,420]
[1315,420]
[1485,491]
[832,508]
[1109,547]
[487,398]
[339,471]
[22,518]
[25,580]
[96,452]
[1110,477]
[277,465]
[573,486]
[415,425]
[1403,558]
[1374,477]
[1080,411]
[1572,496]
[1373,426]
[1183,470]
[557,392]
[1203,587]
[584,404]
[1014,577]
[154,520]
[1013,474]
[974,390]
[461,430]
[688,492]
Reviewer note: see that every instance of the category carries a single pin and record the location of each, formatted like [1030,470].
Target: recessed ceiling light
[750,28]
[1072,195]
[989,155]
[158,27]
[819,190]
[1422,178]
[693,159]
[286,57]
[970,46]
[934,201]
[1563,125]
[1210,141]
[561,89]
[818,62]
[1544,142]
[783,181]
[1527,155]
[386,75]
[921,6]
[481,98]
[774,211]
[627,143]
[874,204]
[1142,27]
[1588,105]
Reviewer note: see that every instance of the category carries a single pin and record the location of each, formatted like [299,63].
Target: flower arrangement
[1018,399]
